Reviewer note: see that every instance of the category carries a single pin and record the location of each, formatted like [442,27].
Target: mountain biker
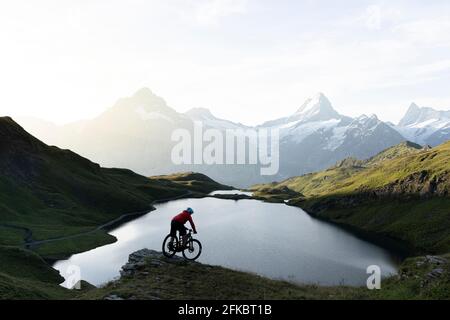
[178,223]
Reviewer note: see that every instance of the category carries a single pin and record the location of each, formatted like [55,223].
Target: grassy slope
[401,193]
[345,173]
[195,182]
[53,193]
[57,193]
[190,281]
[24,275]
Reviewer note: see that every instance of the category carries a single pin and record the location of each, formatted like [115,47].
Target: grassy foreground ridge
[401,194]
[153,276]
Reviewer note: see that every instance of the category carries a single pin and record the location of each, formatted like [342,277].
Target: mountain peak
[411,116]
[143,103]
[205,115]
[318,101]
[316,108]
[416,114]
[367,119]
[143,93]
[413,107]
[13,137]
[146,97]
[9,128]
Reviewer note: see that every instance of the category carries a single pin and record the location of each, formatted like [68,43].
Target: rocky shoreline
[149,275]
[138,260]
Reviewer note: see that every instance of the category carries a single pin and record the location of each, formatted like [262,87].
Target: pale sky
[246,60]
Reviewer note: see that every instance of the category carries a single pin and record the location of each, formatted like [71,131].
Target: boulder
[145,257]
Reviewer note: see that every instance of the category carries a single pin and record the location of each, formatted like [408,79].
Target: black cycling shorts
[177,226]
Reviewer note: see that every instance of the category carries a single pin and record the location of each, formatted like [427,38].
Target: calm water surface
[273,240]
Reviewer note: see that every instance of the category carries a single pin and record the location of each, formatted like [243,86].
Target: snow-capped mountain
[425,125]
[317,136]
[136,133]
[209,120]
[315,109]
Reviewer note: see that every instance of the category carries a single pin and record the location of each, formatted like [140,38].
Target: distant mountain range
[425,125]
[317,136]
[136,133]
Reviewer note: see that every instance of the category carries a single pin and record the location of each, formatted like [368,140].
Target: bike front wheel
[193,250]
[170,246]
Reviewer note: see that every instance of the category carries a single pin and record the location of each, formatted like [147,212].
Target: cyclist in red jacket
[178,223]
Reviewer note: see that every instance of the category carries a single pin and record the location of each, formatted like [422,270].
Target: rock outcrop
[145,257]
[149,275]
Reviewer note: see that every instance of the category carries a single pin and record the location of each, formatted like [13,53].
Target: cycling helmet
[190,211]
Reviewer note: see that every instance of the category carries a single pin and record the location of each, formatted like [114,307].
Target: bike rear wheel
[170,246]
[193,250]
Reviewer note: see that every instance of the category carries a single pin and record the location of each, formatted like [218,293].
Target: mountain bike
[191,250]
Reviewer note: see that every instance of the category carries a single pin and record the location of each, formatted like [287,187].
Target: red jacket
[185,217]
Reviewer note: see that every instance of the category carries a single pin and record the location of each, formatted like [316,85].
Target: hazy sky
[246,60]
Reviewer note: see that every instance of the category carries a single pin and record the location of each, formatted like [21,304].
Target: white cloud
[74,62]
[378,16]
[435,31]
[372,17]
[210,12]
[433,67]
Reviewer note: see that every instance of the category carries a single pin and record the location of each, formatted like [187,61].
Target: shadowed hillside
[54,202]
[55,192]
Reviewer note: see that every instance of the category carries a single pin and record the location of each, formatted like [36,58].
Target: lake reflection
[273,240]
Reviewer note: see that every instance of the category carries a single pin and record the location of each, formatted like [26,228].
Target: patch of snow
[222,124]
[434,123]
[209,120]
[336,140]
[299,132]
[419,132]
[152,115]
[312,105]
